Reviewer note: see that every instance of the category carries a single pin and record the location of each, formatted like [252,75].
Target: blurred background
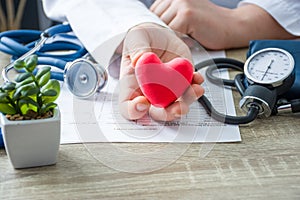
[29,14]
[22,14]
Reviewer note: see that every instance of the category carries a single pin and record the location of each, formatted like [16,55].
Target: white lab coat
[285,12]
[102,24]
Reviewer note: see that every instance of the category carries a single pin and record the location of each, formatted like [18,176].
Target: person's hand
[216,27]
[197,18]
[167,45]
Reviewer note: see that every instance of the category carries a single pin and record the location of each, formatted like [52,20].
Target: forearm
[251,22]
[285,12]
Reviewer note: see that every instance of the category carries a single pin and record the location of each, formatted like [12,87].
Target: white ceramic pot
[32,143]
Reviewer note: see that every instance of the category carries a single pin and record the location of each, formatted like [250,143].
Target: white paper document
[98,119]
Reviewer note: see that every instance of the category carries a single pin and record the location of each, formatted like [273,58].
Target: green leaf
[19,64]
[52,84]
[44,79]
[9,86]
[27,104]
[21,77]
[28,100]
[48,106]
[24,108]
[49,92]
[25,82]
[3,97]
[24,89]
[42,71]
[30,91]
[7,109]
[16,96]
[31,62]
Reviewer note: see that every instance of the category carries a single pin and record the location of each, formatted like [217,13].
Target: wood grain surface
[265,165]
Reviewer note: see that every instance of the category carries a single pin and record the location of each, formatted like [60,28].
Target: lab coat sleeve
[285,12]
[100,24]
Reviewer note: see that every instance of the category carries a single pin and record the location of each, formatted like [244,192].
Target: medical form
[98,120]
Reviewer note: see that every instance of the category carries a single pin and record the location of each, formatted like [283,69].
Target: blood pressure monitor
[269,73]
[271,67]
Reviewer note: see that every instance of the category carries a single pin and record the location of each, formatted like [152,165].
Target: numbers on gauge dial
[269,67]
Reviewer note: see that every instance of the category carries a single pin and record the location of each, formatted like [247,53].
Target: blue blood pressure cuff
[1,140]
[293,47]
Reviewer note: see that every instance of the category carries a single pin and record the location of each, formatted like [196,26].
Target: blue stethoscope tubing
[22,43]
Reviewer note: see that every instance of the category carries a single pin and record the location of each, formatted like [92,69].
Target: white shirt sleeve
[285,12]
[100,24]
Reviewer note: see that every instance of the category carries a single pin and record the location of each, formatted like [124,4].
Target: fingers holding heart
[135,108]
[172,112]
[165,90]
[163,83]
[179,107]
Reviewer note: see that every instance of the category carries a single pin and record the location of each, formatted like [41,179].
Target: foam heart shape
[162,83]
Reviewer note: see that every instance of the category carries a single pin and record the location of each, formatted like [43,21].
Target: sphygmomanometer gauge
[269,74]
[271,67]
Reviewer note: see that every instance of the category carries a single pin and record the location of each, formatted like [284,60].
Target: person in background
[217,27]
[105,24]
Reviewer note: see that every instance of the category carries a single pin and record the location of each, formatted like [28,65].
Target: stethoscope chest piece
[84,78]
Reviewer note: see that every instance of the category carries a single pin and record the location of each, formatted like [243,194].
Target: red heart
[162,83]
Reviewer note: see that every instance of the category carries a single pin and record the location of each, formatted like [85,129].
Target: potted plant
[30,119]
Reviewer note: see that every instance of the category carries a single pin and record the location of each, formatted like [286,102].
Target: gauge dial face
[269,66]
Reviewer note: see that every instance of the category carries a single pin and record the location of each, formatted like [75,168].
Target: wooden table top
[265,165]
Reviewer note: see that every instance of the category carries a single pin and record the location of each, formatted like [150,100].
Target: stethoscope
[265,77]
[59,48]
